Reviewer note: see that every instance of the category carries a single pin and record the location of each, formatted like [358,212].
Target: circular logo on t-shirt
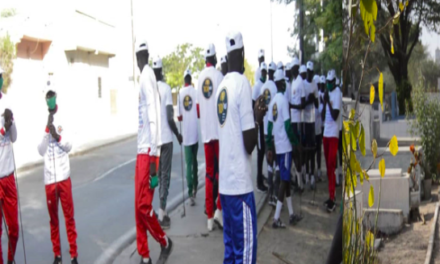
[187,103]
[267,96]
[275,112]
[222,106]
[207,88]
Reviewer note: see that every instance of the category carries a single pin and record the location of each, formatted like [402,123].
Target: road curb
[115,249]
[432,236]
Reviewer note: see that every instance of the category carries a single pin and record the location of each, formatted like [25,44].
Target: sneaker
[165,223]
[262,188]
[218,218]
[272,201]
[165,252]
[210,224]
[149,261]
[74,261]
[331,206]
[58,260]
[327,202]
[294,219]
[278,224]
[192,201]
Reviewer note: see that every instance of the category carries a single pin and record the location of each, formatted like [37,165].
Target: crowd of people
[289,114]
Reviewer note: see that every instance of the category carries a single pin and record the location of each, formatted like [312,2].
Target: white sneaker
[210,224]
[218,218]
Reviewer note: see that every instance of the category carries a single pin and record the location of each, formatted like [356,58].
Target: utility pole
[132,45]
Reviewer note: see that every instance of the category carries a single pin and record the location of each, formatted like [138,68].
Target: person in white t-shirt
[261,147]
[8,195]
[319,128]
[339,174]
[147,161]
[168,128]
[297,104]
[280,140]
[257,75]
[311,93]
[54,147]
[238,133]
[207,86]
[330,115]
[224,65]
[288,77]
[269,90]
[187,114]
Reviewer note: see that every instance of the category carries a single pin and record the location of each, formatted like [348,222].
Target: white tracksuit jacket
[149,114]
[6,139]
[55,154]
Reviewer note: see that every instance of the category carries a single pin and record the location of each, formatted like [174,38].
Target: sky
[432,40]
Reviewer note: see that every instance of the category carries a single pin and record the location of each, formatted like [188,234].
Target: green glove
[154,181]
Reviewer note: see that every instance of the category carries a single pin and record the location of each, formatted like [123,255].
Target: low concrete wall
[389,221]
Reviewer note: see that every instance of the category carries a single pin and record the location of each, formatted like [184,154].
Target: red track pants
[8,197]
[330,154]
[145,217]
[211,157]
[61,191]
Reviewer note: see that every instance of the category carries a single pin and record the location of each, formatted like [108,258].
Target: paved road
[104,208]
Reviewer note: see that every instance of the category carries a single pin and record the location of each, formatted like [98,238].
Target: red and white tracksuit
[149,142]
[58,185]
[8,189]
[208,82]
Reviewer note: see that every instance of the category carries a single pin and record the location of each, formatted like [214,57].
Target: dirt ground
[411,244]
[307,242]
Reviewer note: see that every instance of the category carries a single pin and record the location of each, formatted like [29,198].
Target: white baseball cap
[1,70]
[223,60]
[141,45]
[157,63]
[310,65]
[302,69]
[280,65]
[295,62]
[272,66]
[260,53]
[210,50]
[289,66]
[316,79]
[234,41]
[263,66]
[322,79]
[279,75]
[331,75]
[187,72]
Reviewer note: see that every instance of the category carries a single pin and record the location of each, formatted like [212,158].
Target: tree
[403,35]
[185,56]
[7,55]
[422,69]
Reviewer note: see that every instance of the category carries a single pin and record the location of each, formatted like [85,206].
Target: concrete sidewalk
[192,241]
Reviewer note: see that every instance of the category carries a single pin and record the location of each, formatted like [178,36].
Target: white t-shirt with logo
[234,115]
[269,90]
[278,114]
[297,93]
[331,127]
[207,86]
[187,109]
[256,90]
[165,100]
[309,111]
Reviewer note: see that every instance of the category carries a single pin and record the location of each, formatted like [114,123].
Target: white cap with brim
[157,63]
[295,62]
[322,79]
[302,69]
[234,41]
[223,60]
[272,66]
[316,79]
[187,72]
[263,66]
[310,65]
[210,51]
[279,75]
[260,53]
[280,65]
[141,45]
[289,66]
[331,76]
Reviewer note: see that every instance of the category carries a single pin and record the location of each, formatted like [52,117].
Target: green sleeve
[289,131]
[269,141]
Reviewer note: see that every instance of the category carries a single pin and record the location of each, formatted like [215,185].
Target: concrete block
[394,190]
[390,221]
